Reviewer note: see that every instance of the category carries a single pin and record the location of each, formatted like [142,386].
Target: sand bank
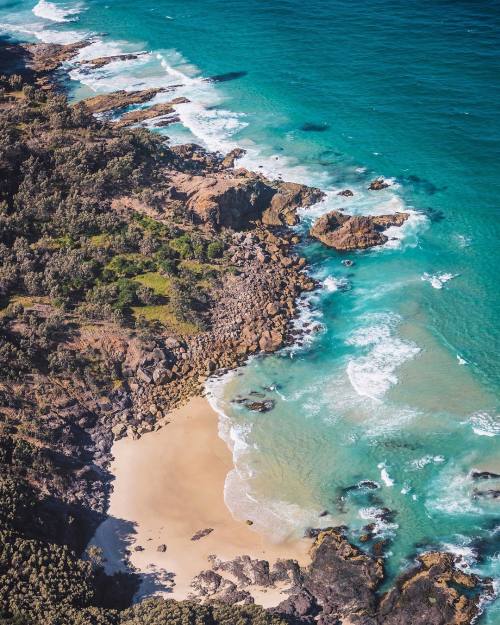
[168,486]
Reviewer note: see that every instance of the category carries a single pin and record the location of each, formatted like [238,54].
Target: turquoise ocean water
[400,384]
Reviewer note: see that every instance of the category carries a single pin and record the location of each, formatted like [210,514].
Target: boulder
[345,233]
[346,193]
[378,184]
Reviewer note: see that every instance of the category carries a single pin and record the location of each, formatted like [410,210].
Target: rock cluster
[341,585]
[345,232]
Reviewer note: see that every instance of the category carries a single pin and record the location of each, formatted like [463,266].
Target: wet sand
[169,485]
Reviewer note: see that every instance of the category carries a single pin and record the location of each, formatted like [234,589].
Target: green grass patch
[166,317]
[198,268]
[100,240]
[161,285]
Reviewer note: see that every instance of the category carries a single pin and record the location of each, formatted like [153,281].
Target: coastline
[176,475]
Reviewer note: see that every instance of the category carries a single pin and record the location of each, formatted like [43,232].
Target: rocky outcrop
[433,593]
[234,199]
[44,58]
[342,579]
[157,110]
[101,61]
[345,232]
[120,99]
[288,198]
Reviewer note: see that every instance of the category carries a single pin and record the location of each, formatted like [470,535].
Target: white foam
[56,12]
[374,373]
[384,475]
[375,516]
[420,463]
[438,280]
[461,361]
[307,323]
[484,424]
[332,284]
[45,35]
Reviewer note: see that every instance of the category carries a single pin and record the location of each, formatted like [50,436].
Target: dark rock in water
[346,193]
[324,513]
[487,494]
[378,184]
[227,76]
[344,232]
[379,547]
[364,484]
[368,484]
[256,406]
[202,533]
[312,127]
[484,475]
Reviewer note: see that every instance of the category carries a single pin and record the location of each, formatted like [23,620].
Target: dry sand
[168,485]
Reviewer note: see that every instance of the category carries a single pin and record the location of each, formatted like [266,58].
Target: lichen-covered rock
[345,232]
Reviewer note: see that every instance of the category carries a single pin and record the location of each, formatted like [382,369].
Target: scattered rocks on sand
[161,548]
[345,233]
[202,533]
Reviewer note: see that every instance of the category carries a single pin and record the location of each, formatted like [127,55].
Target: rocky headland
[132,270]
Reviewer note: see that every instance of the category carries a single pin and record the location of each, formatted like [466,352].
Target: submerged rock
[344,232]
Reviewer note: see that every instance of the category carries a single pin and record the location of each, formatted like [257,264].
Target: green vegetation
[70,262]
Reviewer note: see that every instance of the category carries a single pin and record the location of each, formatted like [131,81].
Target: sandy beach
[168,486]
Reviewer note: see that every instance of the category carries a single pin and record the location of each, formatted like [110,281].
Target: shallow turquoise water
[401,384]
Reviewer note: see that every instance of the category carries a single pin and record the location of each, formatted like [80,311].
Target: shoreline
[177,475]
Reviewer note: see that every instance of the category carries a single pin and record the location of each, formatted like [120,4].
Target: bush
[215,249]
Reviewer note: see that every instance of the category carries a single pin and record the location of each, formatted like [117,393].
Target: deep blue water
[401,385]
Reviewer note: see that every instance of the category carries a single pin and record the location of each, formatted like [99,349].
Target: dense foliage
[70,256]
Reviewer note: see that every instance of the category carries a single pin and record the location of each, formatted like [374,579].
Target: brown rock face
[289,197]
[234,199]
[344,233]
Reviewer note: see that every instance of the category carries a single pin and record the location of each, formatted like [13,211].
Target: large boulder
[345,232]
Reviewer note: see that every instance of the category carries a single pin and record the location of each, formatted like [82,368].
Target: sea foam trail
[56,12]
[373,373]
